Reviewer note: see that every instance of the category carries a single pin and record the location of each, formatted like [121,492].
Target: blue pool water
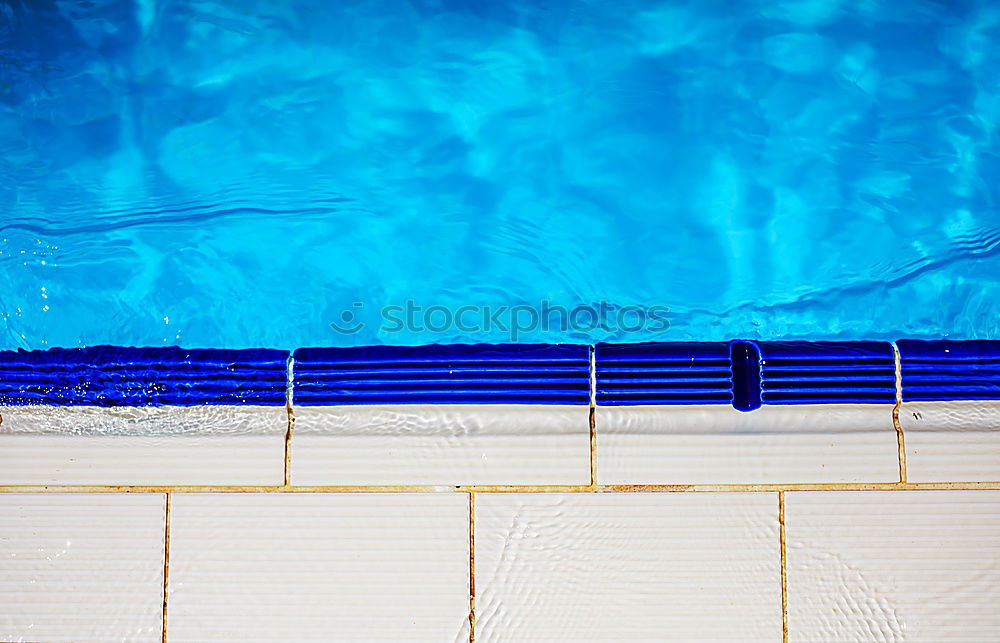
[236,174]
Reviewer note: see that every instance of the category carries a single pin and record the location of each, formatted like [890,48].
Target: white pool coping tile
[318,567]
[955,441]
[716,444]
[81,567]
[893,566]
[441,445]
[166,445]
[636,566]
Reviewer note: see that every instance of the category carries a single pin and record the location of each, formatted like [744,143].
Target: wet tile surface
[81,567]
[441,445]
[199,445]
[297,567]
[702,444]
[952,441]
[893,566]
[639,566]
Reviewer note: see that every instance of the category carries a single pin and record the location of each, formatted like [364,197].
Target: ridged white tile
[893,566]
[951,441]
[441,445]
[199,445]
[716,444]
[318,567]
[628,566]
[81,567]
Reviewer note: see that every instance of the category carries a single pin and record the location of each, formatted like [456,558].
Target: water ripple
[240,174]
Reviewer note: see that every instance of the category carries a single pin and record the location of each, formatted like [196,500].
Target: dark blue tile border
[949,370]
[744,374]
[827,373]
[443,374]
[663,373]
[115,376]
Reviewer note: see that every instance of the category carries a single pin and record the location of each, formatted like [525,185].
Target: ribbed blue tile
[827,373]
[115,376]
[663,373]
[949,370]
[443,374]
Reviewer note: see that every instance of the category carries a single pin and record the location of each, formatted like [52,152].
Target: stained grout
[289,398]
[166,563]
[593,451]
[900,445]
[472,568]
[288,447]
[900,437]
[783,539]
[592,415]
[694,488]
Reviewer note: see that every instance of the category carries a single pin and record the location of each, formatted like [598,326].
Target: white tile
[81,567]
[636,566]
[441,445]
[893,566]
[951,441]
[198,445]
[318,567]
[716,444]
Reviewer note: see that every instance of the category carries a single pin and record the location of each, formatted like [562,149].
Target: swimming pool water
[236,174]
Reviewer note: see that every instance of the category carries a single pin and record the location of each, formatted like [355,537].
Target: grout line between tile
[288,447]
[592,417]
[289,398]
[699,488]
[166,563]
[472,567]
[900,438]
[593,451]
[783,539]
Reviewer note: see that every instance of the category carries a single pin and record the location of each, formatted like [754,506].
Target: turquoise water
[238,174]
